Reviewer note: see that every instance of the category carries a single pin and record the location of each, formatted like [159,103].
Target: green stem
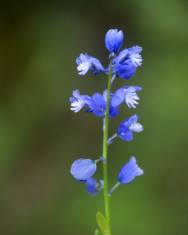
[105,152]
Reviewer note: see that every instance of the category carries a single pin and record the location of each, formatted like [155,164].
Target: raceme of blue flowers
[124,65]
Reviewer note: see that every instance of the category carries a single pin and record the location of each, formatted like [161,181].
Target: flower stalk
[105,152]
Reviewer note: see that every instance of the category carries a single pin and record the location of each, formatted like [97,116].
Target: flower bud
[114,40]
[83,169]
[129,171]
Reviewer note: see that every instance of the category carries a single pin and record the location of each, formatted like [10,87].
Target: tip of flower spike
[114,40]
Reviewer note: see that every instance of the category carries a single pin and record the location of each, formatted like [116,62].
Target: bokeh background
[40,137]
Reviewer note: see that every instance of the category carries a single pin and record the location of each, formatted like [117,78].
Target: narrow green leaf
[102,223]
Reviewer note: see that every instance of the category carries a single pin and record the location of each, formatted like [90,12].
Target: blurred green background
[40,137]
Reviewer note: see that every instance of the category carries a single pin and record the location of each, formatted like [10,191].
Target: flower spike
[106,105]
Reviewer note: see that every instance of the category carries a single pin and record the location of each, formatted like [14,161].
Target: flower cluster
[123,64]
[96,104]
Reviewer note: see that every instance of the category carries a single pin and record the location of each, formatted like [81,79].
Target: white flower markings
[127,94]
[77,101]
[84,67]
[135,55]
[131,97]
[86,62]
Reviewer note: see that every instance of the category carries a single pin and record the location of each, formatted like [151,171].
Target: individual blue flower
[126,63]
[83,169]
[97,105]
[128,127]
[86,62]
[114,40]
[78,101]
[93,187]
[128,95]
[129,171]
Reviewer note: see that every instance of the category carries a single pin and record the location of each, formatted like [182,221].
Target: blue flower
[93,187]
[83,169]
[126,63]
[97,105]
[128,127]
[86,62]
[129,171]
[78,101]
[126,94]
[114,40]
[127,174]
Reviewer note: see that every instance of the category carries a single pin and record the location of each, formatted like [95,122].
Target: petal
[77,101]
[114,111]
[91,186]
[136,127]
[76,93]
[83,68]
[83,169]
[121,57]
[128,121]
[118,97]
[125,71]
[134,55]
[133,119]
[76,106]
[126,136]
[135,49]
[96,66]
[99,105]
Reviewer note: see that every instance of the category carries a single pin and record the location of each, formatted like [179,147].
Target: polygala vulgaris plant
[124,65]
